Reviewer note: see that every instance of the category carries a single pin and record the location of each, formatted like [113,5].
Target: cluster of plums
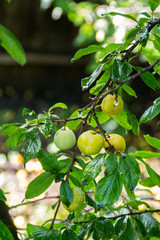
[91,142]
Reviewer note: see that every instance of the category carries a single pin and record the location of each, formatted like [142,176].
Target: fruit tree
[97,175]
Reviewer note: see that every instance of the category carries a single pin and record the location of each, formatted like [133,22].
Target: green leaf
[151,112]
[75,181]
[127,232]
[129,171]
[93,168]
[87,82]
[14,134]
[102,118]
[120,70]
[68,234]
[33,144]
[147,182]
[132,120]
[154,142]
[123,15]
[42,233]
[154,176]
[132,33]
[150,224]
[146,154]
[49,162]
[74,124]
[122,119]
[90,201]
[129,90]
[104,228]
[58,105]
[154,4]
[5,234]
[109,189]
[46,128]
[149,79]
[2,196]
[120,227]
[85,51]
[66,193]
[39,185]
[111,163]
[95,90]
[25,111]
[9,42]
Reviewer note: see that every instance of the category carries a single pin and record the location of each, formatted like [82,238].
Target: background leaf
[2,196]
[39,185]
[149,79]
[4,232]
[9,42]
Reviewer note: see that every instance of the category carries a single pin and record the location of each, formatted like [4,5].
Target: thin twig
[34,201]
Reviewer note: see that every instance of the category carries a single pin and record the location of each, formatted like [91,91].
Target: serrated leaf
[150,224]
[85,51]
[66,193]
[39,185]
[149,79]
[154,4]
[10,43]
[151,112]
[4,232]
[14,134]
[129,90]
[104,228]
[120,70]
[49,162]
[154,142]
[33,144]
[42,233]
[2,196]
[123,15]
[129,171]
[128,231]
[87,82]
[111,163]
[58,105]
[93,168]
[122,119]
[147,182]
[68,234]
[109,189]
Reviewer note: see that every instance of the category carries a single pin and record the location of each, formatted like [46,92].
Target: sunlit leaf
[154,4]
[85,51]
[39,185]
[151,112]
[154,142]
